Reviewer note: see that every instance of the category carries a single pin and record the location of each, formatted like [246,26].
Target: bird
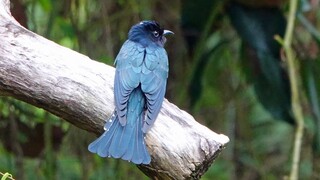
[140,80]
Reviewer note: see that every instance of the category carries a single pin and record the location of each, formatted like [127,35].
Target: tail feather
[120,141]
[137,151]
[140,147]
[137,157]
[145,153]
[102,144]
[131,146]
[125,142]
[129,153]
[106,144]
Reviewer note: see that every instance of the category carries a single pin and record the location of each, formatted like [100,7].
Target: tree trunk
[80,90]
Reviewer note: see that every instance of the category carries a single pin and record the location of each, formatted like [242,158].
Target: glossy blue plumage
[139,89]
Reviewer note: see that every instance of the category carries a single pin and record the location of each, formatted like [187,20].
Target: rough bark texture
[80,90]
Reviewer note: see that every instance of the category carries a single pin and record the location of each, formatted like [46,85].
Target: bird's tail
[125,142]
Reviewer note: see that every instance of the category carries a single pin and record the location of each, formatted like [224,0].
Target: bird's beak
[165,32]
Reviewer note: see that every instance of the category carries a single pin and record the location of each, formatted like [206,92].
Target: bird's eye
[155,33]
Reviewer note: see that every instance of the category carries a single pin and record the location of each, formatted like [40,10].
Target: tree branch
[80,90]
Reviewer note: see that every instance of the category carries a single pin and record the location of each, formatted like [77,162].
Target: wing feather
[128,69]
[153,82]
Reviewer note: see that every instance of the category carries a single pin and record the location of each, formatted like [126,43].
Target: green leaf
[46,5]
[6,176]
[196,21]
[261,56]
[195,87]
[311,82]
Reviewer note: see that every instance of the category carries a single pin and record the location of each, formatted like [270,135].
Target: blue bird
[139,87]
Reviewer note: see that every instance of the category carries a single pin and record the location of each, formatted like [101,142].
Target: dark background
[226,70]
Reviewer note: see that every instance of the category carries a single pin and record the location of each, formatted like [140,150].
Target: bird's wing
[128,67]
[153,82]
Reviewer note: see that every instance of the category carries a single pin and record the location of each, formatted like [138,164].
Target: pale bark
[80,90]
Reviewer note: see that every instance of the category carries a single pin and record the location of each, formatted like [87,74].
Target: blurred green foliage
[226,69]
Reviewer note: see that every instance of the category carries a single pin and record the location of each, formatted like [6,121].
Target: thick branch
[80,90]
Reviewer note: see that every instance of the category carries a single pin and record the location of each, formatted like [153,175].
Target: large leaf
[195,88]
[195,19]
[311,82]
[202,41]
[261,60]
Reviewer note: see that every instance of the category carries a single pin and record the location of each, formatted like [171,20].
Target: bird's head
[148,32]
